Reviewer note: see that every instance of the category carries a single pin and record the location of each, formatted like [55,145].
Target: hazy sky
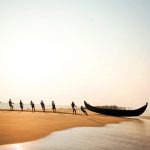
[75,50]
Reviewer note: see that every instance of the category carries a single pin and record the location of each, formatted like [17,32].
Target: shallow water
[133,135]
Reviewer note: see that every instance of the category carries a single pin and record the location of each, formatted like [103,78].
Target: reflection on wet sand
[134,134]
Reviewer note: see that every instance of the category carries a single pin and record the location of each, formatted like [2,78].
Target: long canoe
[116,112]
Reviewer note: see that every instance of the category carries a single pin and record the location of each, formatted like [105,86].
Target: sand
[17,126]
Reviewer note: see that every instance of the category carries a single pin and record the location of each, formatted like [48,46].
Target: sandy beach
[17,126]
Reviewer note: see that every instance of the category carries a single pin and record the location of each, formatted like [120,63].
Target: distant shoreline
[60,110]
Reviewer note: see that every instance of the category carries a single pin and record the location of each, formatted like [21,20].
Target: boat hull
[116,112]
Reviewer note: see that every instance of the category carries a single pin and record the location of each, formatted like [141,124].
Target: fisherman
[53,106]
[43,105]
[11,104]
[73,107]
[21,105]
[32,105]
[83,110]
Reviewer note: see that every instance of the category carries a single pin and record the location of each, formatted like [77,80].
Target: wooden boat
[116,112]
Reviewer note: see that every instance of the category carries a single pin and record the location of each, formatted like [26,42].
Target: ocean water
[132,135]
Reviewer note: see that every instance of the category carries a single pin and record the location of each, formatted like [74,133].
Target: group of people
[32,105]
[43,106]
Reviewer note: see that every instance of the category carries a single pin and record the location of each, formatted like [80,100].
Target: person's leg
[74,111]
[12,107]
[86,113]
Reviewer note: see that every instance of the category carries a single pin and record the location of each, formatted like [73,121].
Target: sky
[75,50]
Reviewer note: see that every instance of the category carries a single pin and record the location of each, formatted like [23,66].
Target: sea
[130,135]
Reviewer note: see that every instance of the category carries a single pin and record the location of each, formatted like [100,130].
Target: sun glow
[30,67]
[76,50]
[16,147]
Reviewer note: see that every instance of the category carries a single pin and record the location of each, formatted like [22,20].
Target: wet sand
[17,126]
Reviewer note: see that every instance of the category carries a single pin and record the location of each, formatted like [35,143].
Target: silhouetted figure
[53,106]
[32,105]
[73,107]
[83,110]
[11,104]
[43,105]
[21,105]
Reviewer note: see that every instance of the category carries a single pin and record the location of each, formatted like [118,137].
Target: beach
[18,127]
